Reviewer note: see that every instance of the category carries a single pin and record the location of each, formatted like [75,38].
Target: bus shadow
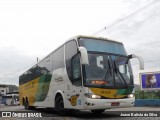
[76,114]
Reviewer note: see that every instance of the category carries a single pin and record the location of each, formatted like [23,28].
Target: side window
[76,70]
[71,50]
[58,58]
[48,65]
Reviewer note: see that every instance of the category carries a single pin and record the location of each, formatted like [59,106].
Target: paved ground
[111,114]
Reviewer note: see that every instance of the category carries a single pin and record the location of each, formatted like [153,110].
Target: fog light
[93,96]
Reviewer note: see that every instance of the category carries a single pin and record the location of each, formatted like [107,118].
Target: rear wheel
[27,107]
[24,102]
[98,111]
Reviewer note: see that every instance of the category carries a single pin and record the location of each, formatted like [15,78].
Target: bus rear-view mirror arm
[140,59]
[84,55]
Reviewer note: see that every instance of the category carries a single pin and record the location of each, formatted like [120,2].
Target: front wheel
[59,104]
[98,111]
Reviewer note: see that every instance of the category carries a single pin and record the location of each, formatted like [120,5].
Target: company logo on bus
[29,86]
[73,99]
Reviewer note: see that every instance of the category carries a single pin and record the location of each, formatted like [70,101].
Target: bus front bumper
[92,104]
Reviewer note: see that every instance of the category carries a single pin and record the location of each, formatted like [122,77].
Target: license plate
[115,104]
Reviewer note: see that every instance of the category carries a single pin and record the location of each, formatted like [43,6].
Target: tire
[27,107]
[59,105]
[26,104]
[98,111]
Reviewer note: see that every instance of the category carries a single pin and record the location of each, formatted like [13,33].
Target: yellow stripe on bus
[108,93]
[29,90]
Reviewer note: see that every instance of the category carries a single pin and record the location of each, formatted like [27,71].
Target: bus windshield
[102,46]
[108,67]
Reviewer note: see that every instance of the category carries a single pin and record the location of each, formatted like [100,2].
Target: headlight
[96,96]
[130,96]
[93,96]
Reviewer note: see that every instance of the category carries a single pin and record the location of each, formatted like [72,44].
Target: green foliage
[147,94]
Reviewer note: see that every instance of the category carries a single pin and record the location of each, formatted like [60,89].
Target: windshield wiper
[108,71]
[117,71]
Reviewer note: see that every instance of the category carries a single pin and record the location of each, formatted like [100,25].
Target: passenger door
[76,97]
[74,87]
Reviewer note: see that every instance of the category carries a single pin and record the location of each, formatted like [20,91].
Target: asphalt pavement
[134,113]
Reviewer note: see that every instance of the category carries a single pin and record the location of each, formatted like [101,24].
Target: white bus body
[85,73]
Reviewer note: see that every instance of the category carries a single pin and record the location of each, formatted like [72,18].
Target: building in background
[3,89]
[9,94]
[10,98]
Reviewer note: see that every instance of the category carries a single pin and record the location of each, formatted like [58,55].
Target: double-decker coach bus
[85,73]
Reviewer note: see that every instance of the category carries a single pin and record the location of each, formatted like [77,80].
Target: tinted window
[71,50]
[102,46]
[25,77]
[58,58]
[48,65]
[76,70]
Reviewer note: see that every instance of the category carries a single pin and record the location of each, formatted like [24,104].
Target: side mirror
[84,55]
[140,59]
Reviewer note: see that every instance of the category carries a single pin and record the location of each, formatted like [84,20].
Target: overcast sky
[139,32]
[33,28]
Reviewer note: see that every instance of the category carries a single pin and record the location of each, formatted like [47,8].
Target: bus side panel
[43,87]
[28,90]
[47,90]
[35,90]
